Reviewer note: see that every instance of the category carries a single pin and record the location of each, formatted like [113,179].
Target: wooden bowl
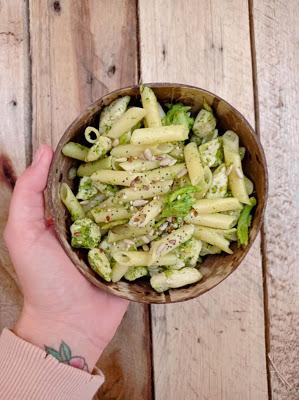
[215,268]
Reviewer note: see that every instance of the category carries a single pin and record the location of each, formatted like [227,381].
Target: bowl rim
[50,206]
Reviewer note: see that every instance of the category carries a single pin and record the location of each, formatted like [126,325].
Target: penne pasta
[137,150]
[161,134]
[151,107]
[110,214]
[161,174]
[193,163]
[91,167]
[234,165]
[143,192]
[72,204]
[248,185]
[170,242]
[126,122]
[216,220]
[174,279]
[127,232]
[91,134]
[209,206]
[147,214]
[118,271]
[112,113]
[99,149]
[122,178]
[75,150]
[139,165]
[212,237]
[142,258]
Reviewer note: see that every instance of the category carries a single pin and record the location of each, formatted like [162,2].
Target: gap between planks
[263,233]
[28,98]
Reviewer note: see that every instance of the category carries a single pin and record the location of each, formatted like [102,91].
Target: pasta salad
[159,189]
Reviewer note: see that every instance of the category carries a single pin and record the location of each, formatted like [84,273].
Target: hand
[59,303]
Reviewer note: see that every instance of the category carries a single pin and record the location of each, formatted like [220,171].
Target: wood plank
[212,347]
[14,135]
[276,34]
[81,50]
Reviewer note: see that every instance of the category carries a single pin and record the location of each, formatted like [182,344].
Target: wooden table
[241,340]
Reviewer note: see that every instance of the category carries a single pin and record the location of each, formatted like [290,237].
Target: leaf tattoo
[65,352]
[64,355]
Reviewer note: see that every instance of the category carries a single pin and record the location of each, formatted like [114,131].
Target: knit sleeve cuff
[28,372]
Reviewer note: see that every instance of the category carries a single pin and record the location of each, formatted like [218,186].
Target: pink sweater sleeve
[27,372]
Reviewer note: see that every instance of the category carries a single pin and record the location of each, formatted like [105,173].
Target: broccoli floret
[178,114]
[85,233]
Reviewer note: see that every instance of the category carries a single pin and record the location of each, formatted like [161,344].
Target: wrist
[60,338]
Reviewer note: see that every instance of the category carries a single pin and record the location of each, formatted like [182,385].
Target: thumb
[27,204]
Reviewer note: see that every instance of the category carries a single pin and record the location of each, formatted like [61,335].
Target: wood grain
[276,34]
[14,135]
[212,347]
[80,50]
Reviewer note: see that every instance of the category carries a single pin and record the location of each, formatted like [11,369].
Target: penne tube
[105,227]
[139,165]
[193,163]
[212,237]
[229,234]
[72,204]
[99,149]
[174,279]
[90,167]
[216,220]
[109,203]
[91,134]
[75,150]
[118,271]
[113,112]
[127,232]
[95,201]
[136,150]
[147,214]
[110,214]
[143,258]
[249,185]
[164,173]
[150,104]
[163,134]
[144,191]
[126,122]
[122,178]
[170,242]
[234,165]
[209,206]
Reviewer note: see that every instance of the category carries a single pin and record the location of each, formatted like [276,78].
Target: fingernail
[37,156]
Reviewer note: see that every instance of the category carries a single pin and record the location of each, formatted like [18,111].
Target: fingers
[27,204]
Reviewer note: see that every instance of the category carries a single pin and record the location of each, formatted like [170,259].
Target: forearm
[69,344]
[28,373]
